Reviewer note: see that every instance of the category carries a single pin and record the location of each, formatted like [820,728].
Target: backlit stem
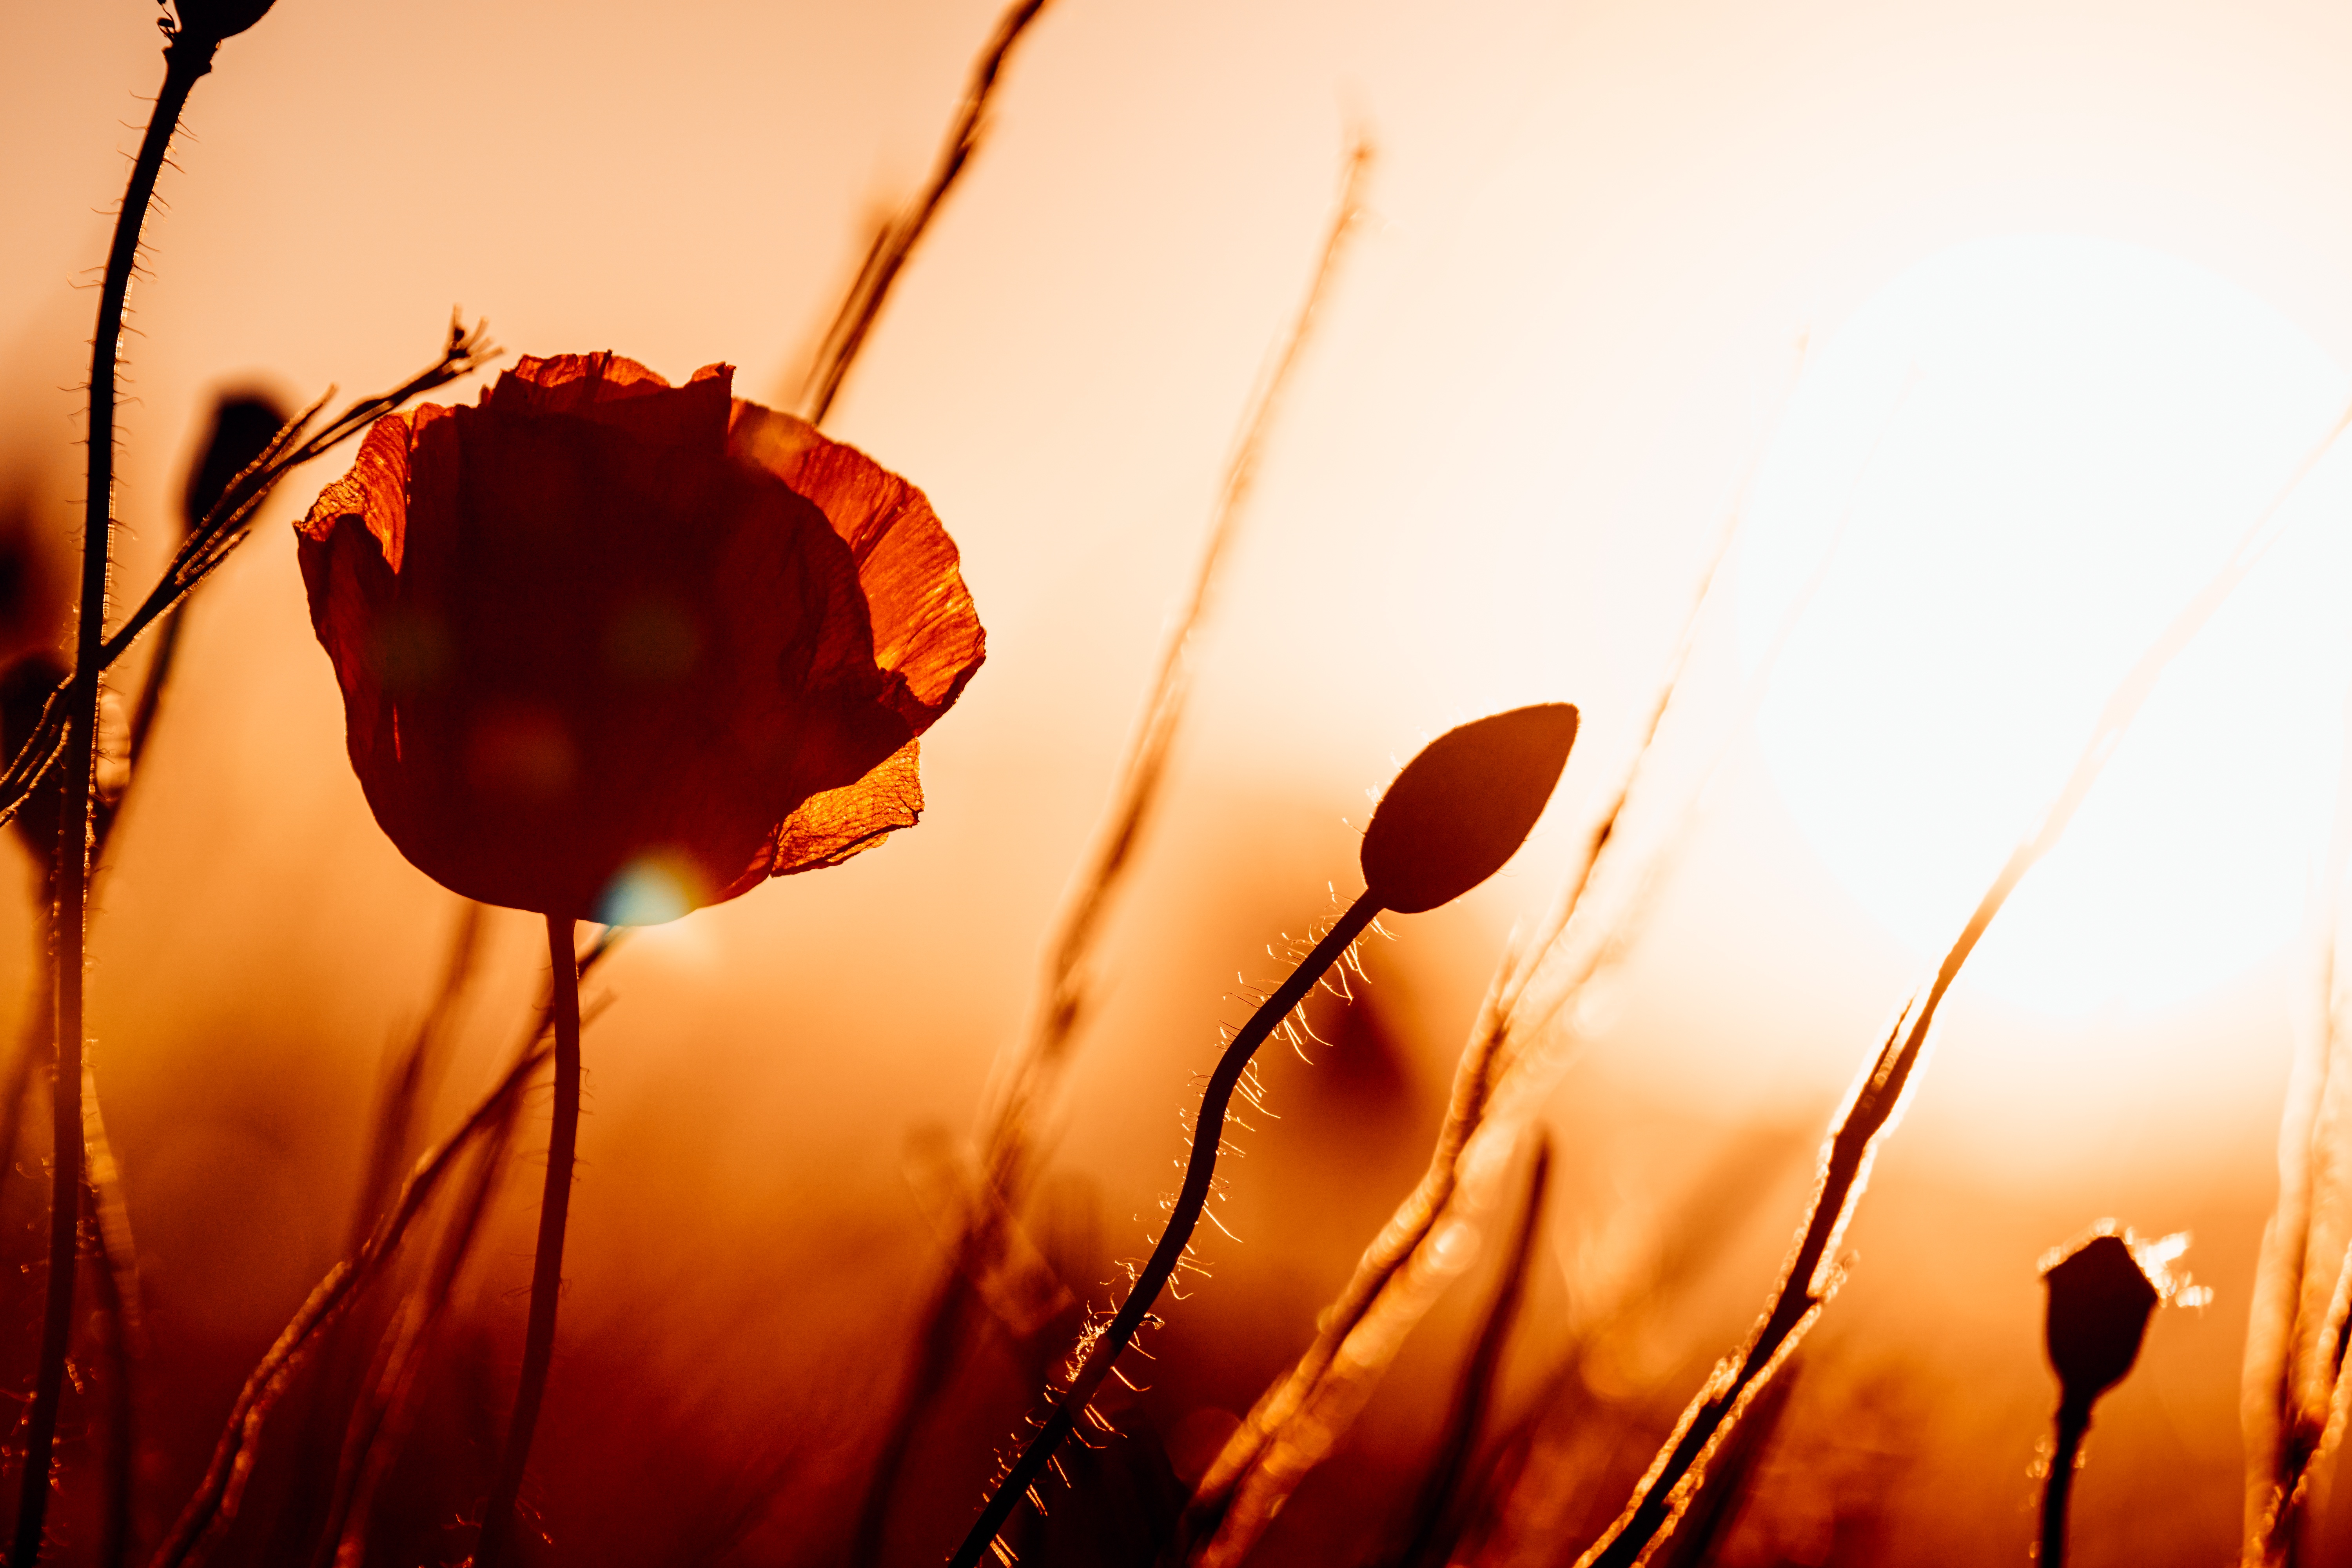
[547,1269]
[184,62]
[1208,1131]
[2058,1487]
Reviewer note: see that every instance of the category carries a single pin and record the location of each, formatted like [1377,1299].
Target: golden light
[1998,483]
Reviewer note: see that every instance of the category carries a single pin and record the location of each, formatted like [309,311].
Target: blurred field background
[1600,235]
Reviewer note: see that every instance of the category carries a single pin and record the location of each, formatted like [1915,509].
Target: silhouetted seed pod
[241,427]
[1464,806]
[2100,1300]
[207,22]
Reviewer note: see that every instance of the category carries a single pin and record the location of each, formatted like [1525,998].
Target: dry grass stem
[222,528]
[1025,1079]
[216,1500]
[1296,1422]
[862,307]
[2293,1374]
[411,1076]
[989,1253]
[1873,1106]
[1436,1517]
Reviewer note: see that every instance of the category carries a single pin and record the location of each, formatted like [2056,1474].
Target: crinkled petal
[926,630]
[830,827]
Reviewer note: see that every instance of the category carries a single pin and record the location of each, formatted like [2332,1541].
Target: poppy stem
[1208,1132]
[2058,1487]
[547,1267]
[184,61]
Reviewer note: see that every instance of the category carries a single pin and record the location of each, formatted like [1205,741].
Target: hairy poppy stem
[2058,1487]
[1208,1132]
[184,61]
[547,1267]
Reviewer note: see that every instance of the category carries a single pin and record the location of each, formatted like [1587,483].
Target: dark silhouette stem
[547,1269]
[1200,1169]
[183,63]
[2058,1487]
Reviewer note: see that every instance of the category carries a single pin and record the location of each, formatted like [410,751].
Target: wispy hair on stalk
[1451,818]
[1298,1419]
[986,1250]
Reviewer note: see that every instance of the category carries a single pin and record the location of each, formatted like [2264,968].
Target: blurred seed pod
[2100,1303]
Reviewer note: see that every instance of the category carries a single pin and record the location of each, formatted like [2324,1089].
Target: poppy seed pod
[614,649]
[207,22]
[2100,1301]
[1464,806]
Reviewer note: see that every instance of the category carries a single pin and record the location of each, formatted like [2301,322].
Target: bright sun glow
[2040,449]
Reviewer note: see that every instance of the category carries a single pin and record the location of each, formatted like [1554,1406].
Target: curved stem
[1208,1132]
[2058,1487]
[547,1267]
[183,63]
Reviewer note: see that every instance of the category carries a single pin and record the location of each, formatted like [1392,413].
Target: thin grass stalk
[215,1502]
[1028,1076]
[547,1265]
[186,60]
[386,1412]
[1027,1079]
[117,1273]
[411,1075]
[1873,1106]
[1546,1464]
[1101,1352]
[382,1416]
[221,528]
[1299,1418]
[862,307]
[2287,1402]
[1427,1538]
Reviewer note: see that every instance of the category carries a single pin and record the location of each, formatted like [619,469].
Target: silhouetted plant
[613,650]
[2100,1301]
[1457,812]
[190,42]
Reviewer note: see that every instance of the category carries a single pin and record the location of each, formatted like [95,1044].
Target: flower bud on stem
[2100,1299]
[1208,1131]
[546,1266]
[184,61]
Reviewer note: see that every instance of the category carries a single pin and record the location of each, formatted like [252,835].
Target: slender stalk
[215,1502]
[1027,1074]
[547,1267]
[1200,1169]
[184,61]
[2058,1487]
[863,305]
[1436,1518]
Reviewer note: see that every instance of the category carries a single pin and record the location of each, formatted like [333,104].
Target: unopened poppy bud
[2100,1300]
[207,22]
[1464,806]
[242,429]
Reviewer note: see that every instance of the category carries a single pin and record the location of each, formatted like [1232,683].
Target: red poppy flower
[615,649]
